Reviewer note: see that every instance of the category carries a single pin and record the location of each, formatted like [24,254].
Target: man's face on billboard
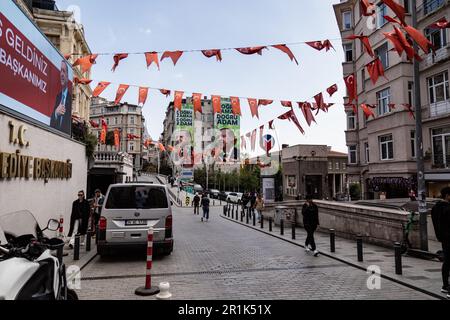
[64,75]
[227,137]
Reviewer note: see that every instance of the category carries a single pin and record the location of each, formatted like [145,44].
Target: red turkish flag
[365,41]
[117,58]
[367,111]
[86,62]
[100,88]
[375,70]
[165,92]
[415,34]
[213,53]
[320,103]
[286,50]
[409,109]
[197,99]
[121,92]
[253,140]
[287,104]
[143,93]
[264,102]
[366,8]
[151,57]
[391,106]
[84,81]
[407,47]
[217,104]
[327,45]
[306,109]
[103,132]
[332,90]
[271,127]
[161,147]
[174,55]
[236,105]
[392,37]
[315,44]
[440,24]
[397,9]
[94,124]
[178,100]
[253,107]
[294,119]
[251,50]
[350,82]
[117,138]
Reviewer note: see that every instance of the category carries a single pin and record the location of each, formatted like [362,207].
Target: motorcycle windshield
[17,224]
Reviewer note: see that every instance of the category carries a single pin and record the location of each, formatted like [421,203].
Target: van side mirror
[52,225]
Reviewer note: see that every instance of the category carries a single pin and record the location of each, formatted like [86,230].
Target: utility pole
[158,162]
[419,145]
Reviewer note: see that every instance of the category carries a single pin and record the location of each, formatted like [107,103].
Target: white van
[128,211]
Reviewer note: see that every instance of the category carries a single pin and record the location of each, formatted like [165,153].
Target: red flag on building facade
[197,101]
[178,100]
[236,106]
[94,124]
[121,92]
[217,104]
[440,24]
[350,83]
[365,42]
[117,138]
[103,131]
[367,111]
[100,88]
[366,8]
[253,103]
[397,9]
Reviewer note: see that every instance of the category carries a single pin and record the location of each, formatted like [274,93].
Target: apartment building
[382,150]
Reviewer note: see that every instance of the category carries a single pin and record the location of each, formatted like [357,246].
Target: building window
[406,5]
[441,147]
[432,5]
[337,165]
[367,152]
[381,12]
[131,131]
[386,147]
[438,37]
[131,120]
[131,109]
[352,159]
[348,49]
[351,121]
[383,101]
[383,53]
[438,87]
[131,146]
[410,93]
[107,121]
[330,165]
[413,143]
[344,166]
[347,20]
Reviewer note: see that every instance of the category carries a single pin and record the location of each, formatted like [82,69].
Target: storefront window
[441,147]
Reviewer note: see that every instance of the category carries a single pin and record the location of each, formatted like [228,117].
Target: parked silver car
[127,213]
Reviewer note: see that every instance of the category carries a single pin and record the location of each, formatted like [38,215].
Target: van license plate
[135,222]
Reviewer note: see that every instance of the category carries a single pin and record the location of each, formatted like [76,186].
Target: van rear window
[137,197]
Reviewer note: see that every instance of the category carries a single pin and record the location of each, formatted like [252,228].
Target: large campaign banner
[227,131]
[184,138]
[35,79]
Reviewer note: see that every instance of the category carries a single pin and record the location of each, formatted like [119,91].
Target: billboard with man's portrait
[227,131]
[35,78]
[183,136]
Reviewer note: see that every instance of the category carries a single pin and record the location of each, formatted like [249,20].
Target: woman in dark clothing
[310,214]
[79,217]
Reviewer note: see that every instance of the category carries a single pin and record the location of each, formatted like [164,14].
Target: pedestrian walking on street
[310,213]
[97,206]
[79,218]
[205,207]
[253,202]
[440,215]
[196,204]
[259,206]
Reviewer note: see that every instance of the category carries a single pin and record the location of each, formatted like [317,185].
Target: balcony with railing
[440,55]
[429,7]
[439,108]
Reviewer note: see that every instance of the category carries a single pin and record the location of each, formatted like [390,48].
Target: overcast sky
[159,25]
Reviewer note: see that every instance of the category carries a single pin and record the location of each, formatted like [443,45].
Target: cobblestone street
[224,260]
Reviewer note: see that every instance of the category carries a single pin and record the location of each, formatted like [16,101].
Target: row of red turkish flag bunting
[86,62]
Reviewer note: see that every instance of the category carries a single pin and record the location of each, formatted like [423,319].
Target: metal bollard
[293,230]
[237,213]
[76,250]
[359,246]
[247,215]
[88,241]
[270,224]
[242,214]
[282,227]
[332,240]
[398,258]
[225,211]
[254,219]
[262,221]
[232,212]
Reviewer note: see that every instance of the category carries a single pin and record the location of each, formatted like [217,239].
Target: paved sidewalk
[423,274]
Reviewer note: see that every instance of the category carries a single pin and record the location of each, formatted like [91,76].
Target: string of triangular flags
[87,61]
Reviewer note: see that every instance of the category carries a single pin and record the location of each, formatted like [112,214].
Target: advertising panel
[184,139]
[35,78]
[228,130]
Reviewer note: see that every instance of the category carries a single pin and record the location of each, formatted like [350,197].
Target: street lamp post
[419,145]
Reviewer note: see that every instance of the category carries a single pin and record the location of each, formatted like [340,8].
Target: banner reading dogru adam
[35,79]
[228,130]
[183,136]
